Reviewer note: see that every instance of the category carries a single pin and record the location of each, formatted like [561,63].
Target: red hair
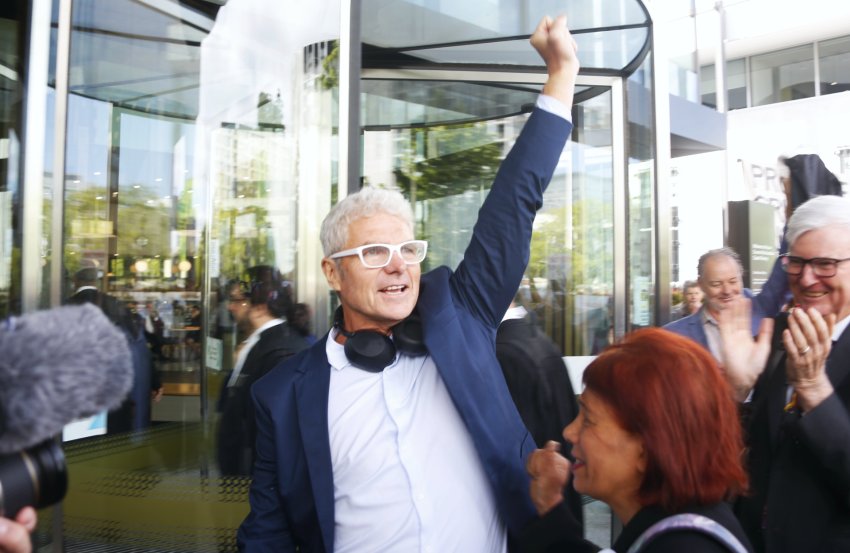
[669,391]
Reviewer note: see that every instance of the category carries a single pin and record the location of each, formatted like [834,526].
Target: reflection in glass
[484,32]
[183,169]
[834,60]
[736,83]
[641,215]
[447,171]
[11,92]
[782,76]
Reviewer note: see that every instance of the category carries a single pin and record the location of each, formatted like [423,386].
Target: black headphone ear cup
[368,350]
[407,336]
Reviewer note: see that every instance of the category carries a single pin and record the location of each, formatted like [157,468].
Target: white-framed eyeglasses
[375,256]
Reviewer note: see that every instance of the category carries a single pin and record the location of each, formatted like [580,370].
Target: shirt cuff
[554,106]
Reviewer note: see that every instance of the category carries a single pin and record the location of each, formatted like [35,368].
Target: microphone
[57,366]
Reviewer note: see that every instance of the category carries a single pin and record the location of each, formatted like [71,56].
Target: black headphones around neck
[372,351]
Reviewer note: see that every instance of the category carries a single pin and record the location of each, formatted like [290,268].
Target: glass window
[569,279]
[486,32]
[640,196]
[736,83]
[183,170]
[834,65]
[708,86]
[782,76]
[11,90]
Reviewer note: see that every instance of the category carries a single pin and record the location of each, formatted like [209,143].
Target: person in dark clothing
[539,383]
[135,412]
[261,306]
[808,177]
[299,319]
[657,435]
[795,389]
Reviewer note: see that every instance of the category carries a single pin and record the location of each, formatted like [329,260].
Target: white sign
[213,353]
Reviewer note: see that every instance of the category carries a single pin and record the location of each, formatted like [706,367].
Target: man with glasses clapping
[798,427]
[396,432]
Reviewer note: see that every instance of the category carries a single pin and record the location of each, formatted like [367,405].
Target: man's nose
[807,275]
[396,262]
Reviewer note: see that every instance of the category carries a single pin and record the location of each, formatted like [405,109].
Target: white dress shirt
[405,471]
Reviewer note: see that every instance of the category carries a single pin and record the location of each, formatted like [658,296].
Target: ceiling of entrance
[147,55]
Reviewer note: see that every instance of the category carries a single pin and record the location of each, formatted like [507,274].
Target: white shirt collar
[517,312]
[335,351]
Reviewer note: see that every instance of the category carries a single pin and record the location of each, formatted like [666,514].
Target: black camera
[37,477]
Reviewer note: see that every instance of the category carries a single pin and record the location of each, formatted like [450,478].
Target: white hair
[363,203]
[817,213]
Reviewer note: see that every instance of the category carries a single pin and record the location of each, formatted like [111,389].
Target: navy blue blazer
[291,497]
[767,303]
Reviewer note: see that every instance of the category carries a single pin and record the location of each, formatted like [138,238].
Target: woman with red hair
[657,435]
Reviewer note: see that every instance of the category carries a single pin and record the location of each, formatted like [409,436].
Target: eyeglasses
[243,301]
[821,266]
[375,256]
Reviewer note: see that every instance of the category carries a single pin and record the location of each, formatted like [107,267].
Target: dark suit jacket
[236,430]
[292,493]
[134,413]
[540,386]
[767,303]
[799,466]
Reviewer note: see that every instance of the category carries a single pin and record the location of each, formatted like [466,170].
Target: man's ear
[333,273]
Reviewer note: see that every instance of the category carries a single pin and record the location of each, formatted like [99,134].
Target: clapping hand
[808,340]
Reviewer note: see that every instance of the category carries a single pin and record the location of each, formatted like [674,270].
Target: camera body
[36,476]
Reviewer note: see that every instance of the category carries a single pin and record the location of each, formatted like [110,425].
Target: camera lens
[36,477]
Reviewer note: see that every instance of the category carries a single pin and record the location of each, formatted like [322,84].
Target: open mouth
[813,295]
[394,289]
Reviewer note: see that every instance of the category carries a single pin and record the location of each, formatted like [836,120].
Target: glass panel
[489,32]
[571,273]
[11,91]
[782,76]
[597,50]
[834,65]
[569,279]
[400,103]
[387,102]
[736,83]
[707,86]
[207,155]
[640,197]
[418,22]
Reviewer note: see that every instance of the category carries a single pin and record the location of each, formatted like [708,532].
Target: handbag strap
[693,522]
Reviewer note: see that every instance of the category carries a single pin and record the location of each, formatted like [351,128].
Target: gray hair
[816,213]
[728,252]
[363,203]
[689,284]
